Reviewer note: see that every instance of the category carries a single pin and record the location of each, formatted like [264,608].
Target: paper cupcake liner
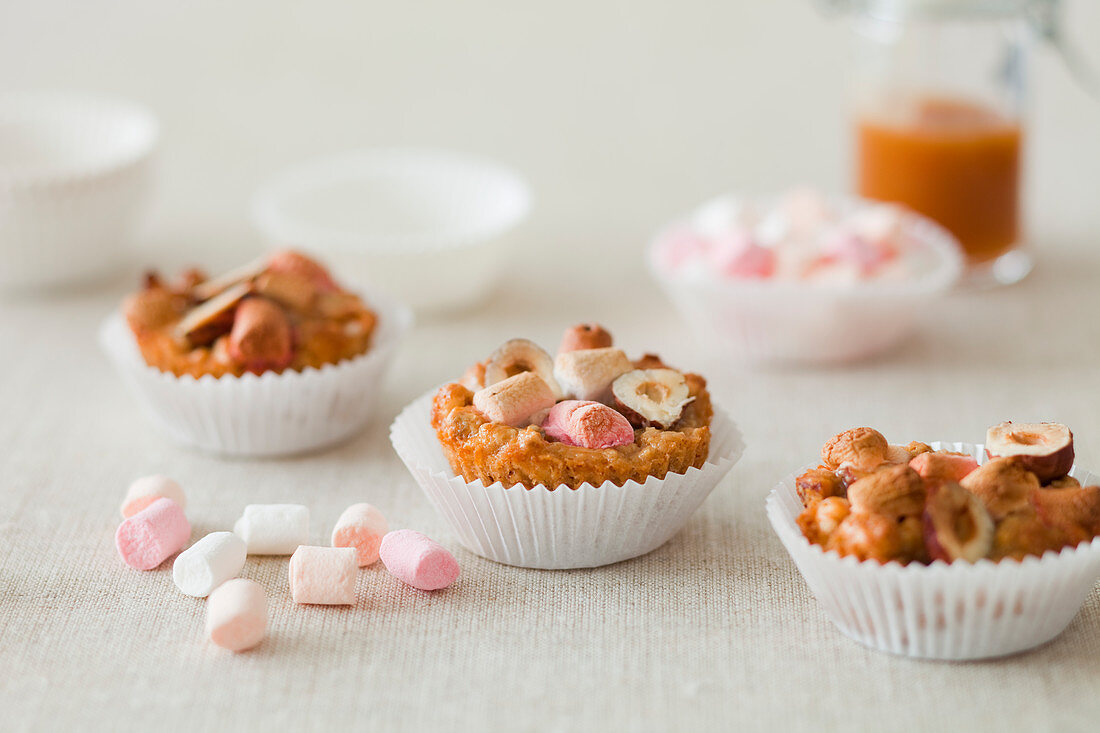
[953,611]
[564,528]
[266,415]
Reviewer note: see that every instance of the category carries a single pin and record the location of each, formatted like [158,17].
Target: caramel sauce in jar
[954,161]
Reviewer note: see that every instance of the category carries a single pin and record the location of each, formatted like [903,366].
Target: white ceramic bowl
[951,611]
[74,179]
[430,227]
[800,322]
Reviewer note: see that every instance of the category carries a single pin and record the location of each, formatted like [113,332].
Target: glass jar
[938,118]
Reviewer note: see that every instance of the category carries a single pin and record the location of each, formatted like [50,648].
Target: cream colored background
[622,115]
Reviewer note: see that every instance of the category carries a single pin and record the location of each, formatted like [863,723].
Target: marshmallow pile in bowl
[803,278]
[75,174]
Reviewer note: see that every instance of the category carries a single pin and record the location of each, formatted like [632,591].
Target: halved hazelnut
[584,336]
[863,448]
[261,338]
[207,321]
[587,374]
[1045,448]
[1003,485]
[517,356]
[207,289]
[895,491]
[651,397]
[957,526]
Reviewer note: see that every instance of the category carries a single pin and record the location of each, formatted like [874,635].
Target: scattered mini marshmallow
[417,560]
[587,374]
[273,529]
[154,534]
[236,614]
[323,575]
[147,489]
[361,527]
[513,400]
[208,563]
[588,424]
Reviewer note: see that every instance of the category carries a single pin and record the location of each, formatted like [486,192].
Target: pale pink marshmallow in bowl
[154,534]
[587,424]
[323,575]
[147,489]
[236,614]
[417,560]
[362,528]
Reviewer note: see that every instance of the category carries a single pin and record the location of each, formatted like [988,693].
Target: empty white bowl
[74,180]
[430,227]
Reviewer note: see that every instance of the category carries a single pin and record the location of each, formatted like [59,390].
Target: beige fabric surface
[713,631]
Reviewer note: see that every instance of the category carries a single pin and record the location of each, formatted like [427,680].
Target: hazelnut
[895,491]
[289,260]
[1075,509]
[943,466]
[584,336]
[1003,485]
[863,448]
[1024,533]
[1045,449]
[869,536]
[816,484]
[821,519]
[651,397]
[517,356]
[957,525]
[261,338]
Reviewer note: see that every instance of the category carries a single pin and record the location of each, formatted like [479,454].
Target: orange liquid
[955,162]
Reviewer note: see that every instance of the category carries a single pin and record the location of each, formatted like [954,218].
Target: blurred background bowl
[432,228]
[74,180]
[802,322]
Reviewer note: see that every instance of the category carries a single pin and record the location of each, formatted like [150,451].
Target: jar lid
[931,9]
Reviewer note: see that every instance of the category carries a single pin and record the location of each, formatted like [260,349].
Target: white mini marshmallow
[208,563]
[587,374]
[273,529]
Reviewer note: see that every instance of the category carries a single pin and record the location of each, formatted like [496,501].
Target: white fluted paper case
[955,611]
[269,414]
[565,528]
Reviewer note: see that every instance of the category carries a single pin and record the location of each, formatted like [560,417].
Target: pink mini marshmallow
[236,614]
[362,528]
[868,256]
[154,534]
[752,261]
[587,424]
[147,489]
[323,575]
[417,560]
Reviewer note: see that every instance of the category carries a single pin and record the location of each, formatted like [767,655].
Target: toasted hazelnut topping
[871,536]
[895,491]
[821,519]
[650,361]
[206,321]
[514,400]
[288,260]
[817,484]
[261,337]
[1075,509]
[651,397]
[863,448]
[943,466]
[587,374]
[957,525]
[150,309]
[290,289]
[517,356]
[1003,485]
[1045,449]
[584,336]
